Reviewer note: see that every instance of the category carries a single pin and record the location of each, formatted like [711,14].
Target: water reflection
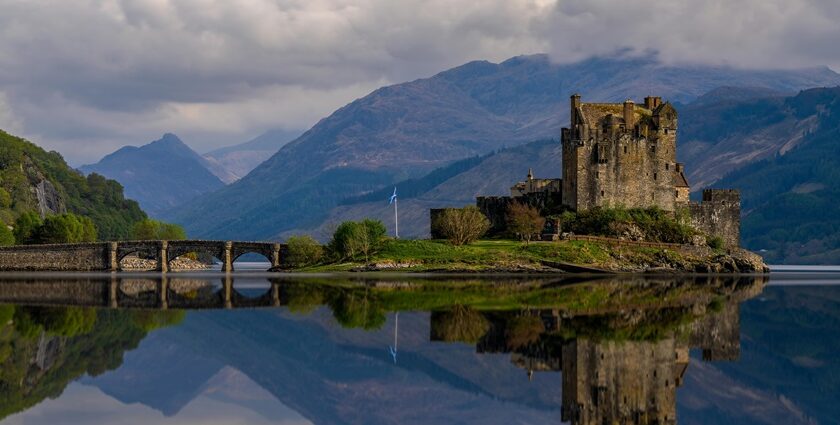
[622,344]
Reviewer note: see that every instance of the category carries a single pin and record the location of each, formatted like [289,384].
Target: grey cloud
[85,76]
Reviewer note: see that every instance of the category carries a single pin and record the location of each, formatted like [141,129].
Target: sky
[86,77]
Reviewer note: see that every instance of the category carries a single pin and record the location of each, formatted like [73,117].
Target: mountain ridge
[408,129]
[160,174]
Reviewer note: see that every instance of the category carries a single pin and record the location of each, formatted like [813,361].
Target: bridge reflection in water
[621,343]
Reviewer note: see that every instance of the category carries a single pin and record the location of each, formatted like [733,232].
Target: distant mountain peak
[160,174]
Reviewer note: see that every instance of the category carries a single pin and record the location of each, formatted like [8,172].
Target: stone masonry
[106,256]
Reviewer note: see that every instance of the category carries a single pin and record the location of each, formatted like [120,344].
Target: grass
[495,255]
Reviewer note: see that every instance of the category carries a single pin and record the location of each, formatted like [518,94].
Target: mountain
[32,179]
[409,129]
[159,175]
[789,198]
[234,162]
[766,143]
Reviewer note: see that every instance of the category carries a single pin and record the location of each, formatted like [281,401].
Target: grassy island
[514,256]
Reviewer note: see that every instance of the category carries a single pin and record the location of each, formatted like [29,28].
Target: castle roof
[593,113]
[681,180]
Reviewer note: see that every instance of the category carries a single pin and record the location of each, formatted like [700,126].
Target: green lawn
[422,255]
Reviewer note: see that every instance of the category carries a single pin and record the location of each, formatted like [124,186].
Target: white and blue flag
[393,197]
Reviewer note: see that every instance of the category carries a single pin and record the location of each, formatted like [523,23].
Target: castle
[621,154]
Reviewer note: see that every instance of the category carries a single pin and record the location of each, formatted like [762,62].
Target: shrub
[26,228]
[714,242]
[462,225]
[353,238]
[6,236]
[654,224]
[66,228]
[303,251]
[5,198]
[148,229]
[524,221]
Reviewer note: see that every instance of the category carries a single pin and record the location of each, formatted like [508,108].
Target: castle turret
[629,114]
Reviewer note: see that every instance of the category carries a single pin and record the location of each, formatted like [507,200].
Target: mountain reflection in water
[468,350]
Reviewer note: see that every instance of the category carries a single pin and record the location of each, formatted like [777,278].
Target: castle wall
[496,208]
[608,163]
[719,214]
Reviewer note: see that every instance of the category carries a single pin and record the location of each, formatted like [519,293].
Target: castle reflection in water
[622,344]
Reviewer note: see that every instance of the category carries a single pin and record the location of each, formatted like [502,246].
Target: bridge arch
[144,249]
[216,249]
[271,251]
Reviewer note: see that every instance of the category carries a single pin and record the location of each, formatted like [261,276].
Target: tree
[149,229]
[303,251]
[462,225]
[6,236]
[461,323]
[352,238]
[67,228]
[5,198]
[341,244]
[26,228]
[524,221]
[370,234]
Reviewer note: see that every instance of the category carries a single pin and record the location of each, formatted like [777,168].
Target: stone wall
[106,256]
[719,214]
[56,257]
[496,207]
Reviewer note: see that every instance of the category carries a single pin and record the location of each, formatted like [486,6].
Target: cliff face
[47,198]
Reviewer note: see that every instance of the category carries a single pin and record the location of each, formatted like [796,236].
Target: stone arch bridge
[106,256]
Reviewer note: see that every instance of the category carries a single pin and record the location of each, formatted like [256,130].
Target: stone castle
[621,154]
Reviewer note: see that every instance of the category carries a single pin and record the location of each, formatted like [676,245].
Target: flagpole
[396,220]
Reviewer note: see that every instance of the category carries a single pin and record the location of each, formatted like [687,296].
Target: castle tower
[621,154]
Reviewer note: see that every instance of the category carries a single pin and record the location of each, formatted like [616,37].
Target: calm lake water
[265,349]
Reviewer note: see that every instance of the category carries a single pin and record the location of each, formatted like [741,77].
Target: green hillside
[790,201]
[32,179]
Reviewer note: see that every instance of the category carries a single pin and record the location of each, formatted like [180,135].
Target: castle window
[654,176]
[667,167]
[677,193]
[597,174]
[625,149]
[666,131]
[602,193]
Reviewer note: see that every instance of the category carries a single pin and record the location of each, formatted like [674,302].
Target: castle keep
[619,155]
[622,155]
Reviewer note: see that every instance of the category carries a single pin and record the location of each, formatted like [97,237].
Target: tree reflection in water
[622,344]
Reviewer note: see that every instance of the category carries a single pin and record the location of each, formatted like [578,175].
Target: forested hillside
[34,180]
[789,201]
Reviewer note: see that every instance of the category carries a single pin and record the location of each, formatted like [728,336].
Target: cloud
[87,76]
[741,33]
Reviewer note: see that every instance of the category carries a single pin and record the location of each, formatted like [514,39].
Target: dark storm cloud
[85,76]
